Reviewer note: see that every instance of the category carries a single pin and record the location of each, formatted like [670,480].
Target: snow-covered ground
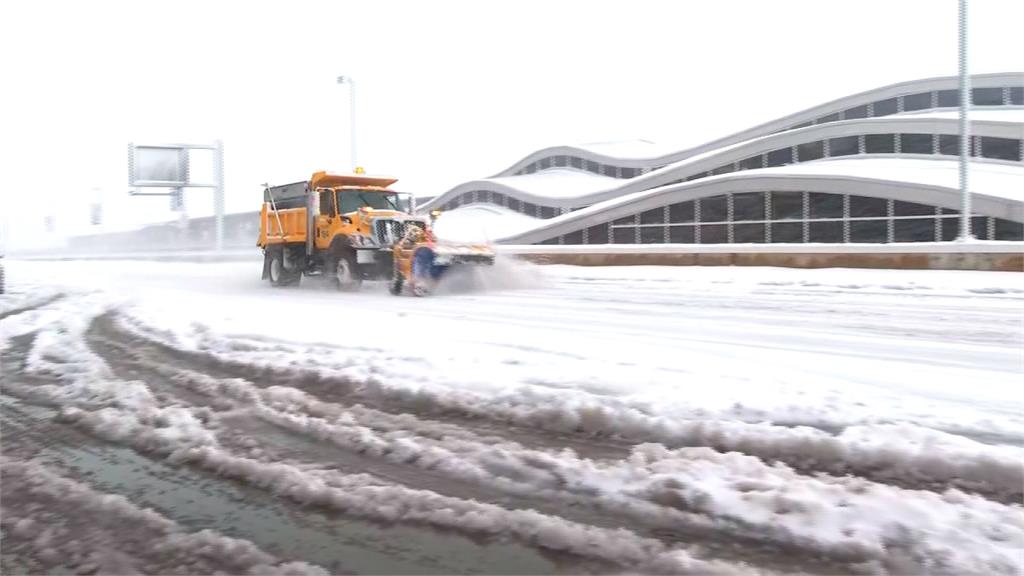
[636,418]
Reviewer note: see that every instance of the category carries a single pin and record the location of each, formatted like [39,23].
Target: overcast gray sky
[447,90]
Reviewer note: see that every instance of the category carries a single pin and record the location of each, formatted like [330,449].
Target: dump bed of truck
[287,225]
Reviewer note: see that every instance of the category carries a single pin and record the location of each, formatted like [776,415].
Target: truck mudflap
[266,267]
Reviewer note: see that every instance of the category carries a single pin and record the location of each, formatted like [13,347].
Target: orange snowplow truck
[338,226]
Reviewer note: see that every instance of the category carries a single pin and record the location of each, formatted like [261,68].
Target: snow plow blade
[419,269]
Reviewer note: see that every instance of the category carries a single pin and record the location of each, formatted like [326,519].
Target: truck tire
[279,276]
[342,271]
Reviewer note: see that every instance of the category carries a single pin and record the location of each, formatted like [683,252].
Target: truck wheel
[279,275]
[344,273]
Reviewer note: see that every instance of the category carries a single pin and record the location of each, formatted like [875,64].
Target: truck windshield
[352,200]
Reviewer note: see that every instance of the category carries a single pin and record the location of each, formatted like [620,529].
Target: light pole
[352,113]
[965,134]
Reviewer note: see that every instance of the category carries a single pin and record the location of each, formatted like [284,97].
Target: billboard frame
[137,186]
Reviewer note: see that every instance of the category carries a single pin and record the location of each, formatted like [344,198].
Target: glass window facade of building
[790,217]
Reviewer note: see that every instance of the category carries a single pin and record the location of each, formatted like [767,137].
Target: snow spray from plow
[505,274]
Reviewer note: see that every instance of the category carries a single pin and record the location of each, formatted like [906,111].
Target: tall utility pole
[351,113]
[965,134]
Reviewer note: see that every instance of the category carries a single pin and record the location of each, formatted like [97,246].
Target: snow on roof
[559,182]
[648,150]
[1007,115]
[643,150]
[569,183]
[1001,114]
[627,148]
[999,180]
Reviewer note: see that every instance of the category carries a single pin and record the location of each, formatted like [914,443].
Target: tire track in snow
[263,439]
[272,439]
[901,455]
[671,514]
[403,411]
[86,529]
[32,305]
[202,497]
[354,496]
[54,523]
[127,413]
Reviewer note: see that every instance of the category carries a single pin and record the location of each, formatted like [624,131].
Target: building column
[890,209]
[806,201]
[846,218]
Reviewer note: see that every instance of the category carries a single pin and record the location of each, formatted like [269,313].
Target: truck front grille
[387,232]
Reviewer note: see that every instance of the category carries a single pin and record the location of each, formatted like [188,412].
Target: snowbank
[903,452]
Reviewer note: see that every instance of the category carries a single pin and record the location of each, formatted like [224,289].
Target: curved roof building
[879,166]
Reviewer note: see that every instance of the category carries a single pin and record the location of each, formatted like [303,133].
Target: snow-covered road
[551,419]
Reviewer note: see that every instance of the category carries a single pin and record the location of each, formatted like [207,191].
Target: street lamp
[352,113]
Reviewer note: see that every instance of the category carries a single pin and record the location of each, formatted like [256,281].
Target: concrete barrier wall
[992,261]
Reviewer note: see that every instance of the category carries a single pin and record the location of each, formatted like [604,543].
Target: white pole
[351,115]
[965,135]
[96,210]
[218,193]
[352,119]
